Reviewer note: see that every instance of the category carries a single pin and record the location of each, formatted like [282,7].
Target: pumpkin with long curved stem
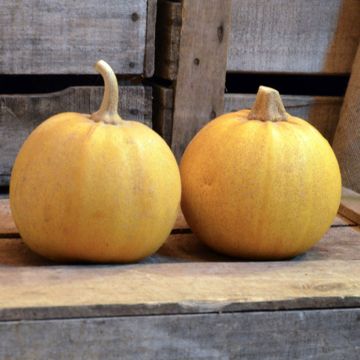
[95,187]
[260,183]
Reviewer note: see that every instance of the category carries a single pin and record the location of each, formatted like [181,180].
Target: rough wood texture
[347,138]
[168,39]
[20,114]
[149,64]
[321,111]
[350,205]
[58,37]
[294,36]
[183,277]
[199,92]
[163,106]
[321,334]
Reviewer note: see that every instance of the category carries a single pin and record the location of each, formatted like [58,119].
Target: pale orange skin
[259,189]
[88,191]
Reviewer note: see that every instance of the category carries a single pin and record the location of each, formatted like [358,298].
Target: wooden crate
[52,40]
[312,38]
[184,302]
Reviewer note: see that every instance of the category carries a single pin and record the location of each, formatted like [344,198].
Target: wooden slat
[202,65]
[67,37]
[168,39]
[149,63]
[321,334]
[183,277]
[350,205]
[321,111]
[294,36]
[163,111]
[20,114]
[347,137]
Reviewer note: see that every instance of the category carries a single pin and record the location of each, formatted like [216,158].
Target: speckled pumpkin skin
[88,191]
[259,189]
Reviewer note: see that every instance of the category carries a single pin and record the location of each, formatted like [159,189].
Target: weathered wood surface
[319,334]
[347,137]
[168,39]
[350,205]
[318,37]
[321,111]
[199,92]
[294,36]
[163,111]
[67,37]
[149,61]
[20,114]
[184,276]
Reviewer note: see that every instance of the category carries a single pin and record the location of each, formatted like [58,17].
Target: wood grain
[168,39]
[350,205]
[199,92]
[319,334]
[67,37]
[183,277]
[294,36]
[20,114]
[163,111]
[321,111]
[149,61]
[347,138]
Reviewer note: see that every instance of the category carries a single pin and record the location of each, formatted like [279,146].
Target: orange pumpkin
[260,183]
[95,187]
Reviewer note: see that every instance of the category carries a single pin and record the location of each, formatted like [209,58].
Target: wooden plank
[347,138]
[168,39]
[149,63]
[321,111]
[294,36]
[183,277]
[20,114]
[66,37]
[350,205]
[199,92]
[163,111]
[321,334]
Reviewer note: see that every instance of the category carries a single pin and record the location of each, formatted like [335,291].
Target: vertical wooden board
[317,334]
[294,36]
[20,114]
[163,111]
[347,136]
[149,62]
[321,111]
[168,39]
[42,37]
[199,92]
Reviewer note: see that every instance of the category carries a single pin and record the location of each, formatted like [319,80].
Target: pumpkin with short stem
[260,183]
[95,187]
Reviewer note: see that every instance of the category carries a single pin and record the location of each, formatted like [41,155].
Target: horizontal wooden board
[20,114]
[184,276]
[321,111]
[294,36]
[68,37]
[321,334]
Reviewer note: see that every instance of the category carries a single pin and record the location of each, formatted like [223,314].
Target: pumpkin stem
[268,106]
[108,112]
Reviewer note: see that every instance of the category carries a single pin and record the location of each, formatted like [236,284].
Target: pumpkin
[95,187]
[260,183]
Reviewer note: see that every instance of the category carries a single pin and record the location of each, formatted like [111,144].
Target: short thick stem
[108,112]
[268,106]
